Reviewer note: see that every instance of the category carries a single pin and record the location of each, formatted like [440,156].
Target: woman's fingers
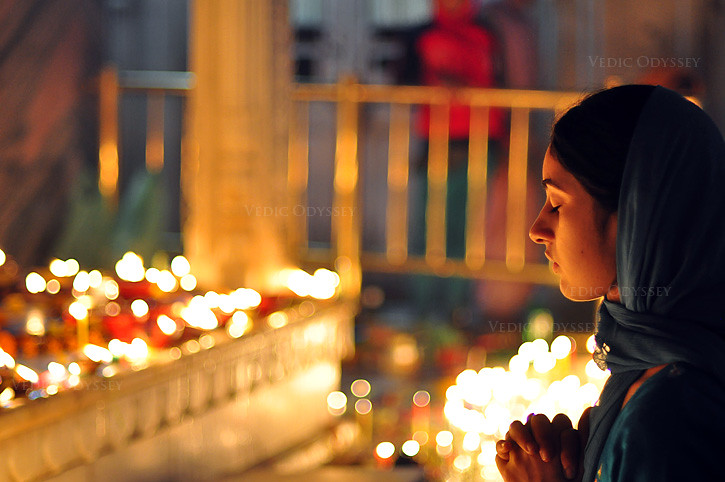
[545,435]
[561,422]
[521,434]
[501,465]
[570,452]
[503,447]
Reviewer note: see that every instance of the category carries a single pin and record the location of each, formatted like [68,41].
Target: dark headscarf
[670,257]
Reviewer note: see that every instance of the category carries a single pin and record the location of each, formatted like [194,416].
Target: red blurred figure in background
[457,52]
[454,51]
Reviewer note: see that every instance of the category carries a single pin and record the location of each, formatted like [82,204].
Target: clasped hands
[543,450]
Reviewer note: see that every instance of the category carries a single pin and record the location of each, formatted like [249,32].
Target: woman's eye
[555,209]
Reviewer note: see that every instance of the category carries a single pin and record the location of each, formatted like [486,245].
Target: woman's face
[580,237]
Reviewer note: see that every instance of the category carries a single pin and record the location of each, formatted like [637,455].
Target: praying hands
[543,450]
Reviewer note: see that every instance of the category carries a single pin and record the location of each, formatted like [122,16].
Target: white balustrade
[204,415]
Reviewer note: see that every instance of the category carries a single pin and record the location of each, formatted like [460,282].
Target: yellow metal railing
[156,86]
[348,98]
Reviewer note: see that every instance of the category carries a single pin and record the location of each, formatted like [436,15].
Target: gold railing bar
[477,179]
[493,269]
[315,92]
[155,133]
[435,213]
[516,199]
[398,176]
[532,99]
[108,132]
[345,218]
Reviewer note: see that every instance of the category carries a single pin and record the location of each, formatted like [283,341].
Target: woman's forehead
[553,173]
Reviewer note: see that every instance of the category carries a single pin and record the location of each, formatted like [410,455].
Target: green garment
[670,430]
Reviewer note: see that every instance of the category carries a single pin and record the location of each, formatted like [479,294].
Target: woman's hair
[591,140]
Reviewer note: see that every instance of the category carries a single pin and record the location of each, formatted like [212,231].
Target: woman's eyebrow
[548,182]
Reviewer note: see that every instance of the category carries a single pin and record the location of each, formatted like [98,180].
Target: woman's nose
[539,233]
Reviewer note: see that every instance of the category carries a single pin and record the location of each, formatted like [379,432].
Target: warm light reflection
[53,286]
[199,315]
[74,369]
[139,308]
[410,448]
[78,310]
[336,403]
[246,298]
[180,266]
[360,388]
[561,347]
[110,289]
[95,279]
[97,353]
[35,323]
[421,436]
[206,341]
[322,285]
[71,267]
[591,344]
[117,348]
[363,406]
[166,325]
[57,371]
[385,450]
[130,267]
[421,398]
[278,319]
[152,275]
[27,373]
[137,351]
[226,304]
[239,325]
[6,360]
[188,282]
[7,395]
[34,283]
[167,282]
[57,268]
[82,281]
[112,309]
[444,438]
[480,406]
[462,462]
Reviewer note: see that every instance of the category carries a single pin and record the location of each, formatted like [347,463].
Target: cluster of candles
[127,319]
[478,409]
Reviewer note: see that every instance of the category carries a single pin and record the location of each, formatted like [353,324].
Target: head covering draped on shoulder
[670,257]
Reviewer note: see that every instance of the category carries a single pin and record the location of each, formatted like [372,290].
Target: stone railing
[199,416]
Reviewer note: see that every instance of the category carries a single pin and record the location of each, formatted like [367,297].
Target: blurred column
[234,172]
[714,60]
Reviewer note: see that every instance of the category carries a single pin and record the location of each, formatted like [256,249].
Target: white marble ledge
[204,415]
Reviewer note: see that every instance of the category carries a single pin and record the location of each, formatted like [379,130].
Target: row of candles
[478,409]
[123,320]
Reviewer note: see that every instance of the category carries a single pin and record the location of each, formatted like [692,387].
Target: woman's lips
[555,266]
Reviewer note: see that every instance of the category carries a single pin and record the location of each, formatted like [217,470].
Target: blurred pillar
[234,173]
[714,61]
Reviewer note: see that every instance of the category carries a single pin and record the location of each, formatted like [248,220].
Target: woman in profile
[635,216]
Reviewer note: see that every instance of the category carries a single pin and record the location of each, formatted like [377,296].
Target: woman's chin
[578,293]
